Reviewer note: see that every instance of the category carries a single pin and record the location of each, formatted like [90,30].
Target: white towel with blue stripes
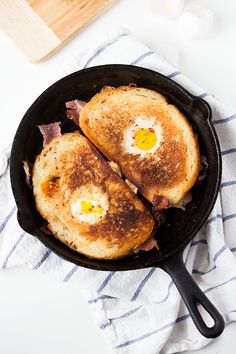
[141,311]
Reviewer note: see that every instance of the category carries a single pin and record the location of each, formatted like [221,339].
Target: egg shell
[195,22]
[167,8]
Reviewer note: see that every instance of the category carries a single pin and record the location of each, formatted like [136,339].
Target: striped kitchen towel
[141,311]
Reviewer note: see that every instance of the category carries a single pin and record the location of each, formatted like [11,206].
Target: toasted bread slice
[86,204]
[151,140]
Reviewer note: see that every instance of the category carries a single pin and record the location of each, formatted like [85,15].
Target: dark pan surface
[181,226]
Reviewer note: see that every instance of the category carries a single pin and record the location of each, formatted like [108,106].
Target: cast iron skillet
[180,227]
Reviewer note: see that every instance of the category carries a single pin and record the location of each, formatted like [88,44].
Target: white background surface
[39,315]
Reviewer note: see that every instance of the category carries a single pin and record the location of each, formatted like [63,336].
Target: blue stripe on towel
[168,292]
[143,282]
[214,218]
[229,151]
[203,95]
[43,259]
[195,271]
[146,335]
[12,250]
[102,297]
[71,272]
[218,253]
[219,285]
[105,282]
[197,242]
[224,120]
[103,47]
[200,272]
[4,223]
[170,324]
[124,315]
[227,183]
[141,57]
[228,217]
[223,218]
[175,73]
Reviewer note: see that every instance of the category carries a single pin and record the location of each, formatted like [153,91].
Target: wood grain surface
[40,27]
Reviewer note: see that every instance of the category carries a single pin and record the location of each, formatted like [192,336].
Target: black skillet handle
[193,296]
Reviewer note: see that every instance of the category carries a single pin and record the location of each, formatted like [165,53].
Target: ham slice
[160,202]
[74,109]
[50,131]
[147,245]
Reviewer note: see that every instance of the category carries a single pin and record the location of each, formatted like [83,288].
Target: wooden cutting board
[40,27]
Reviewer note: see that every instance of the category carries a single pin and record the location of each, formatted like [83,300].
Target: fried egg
[143,137]
[89,204]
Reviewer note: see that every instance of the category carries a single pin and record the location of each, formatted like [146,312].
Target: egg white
[93,194]
[139,124]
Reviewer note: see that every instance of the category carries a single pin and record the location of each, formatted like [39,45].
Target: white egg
[196,21]
[89,204]
[167,8]
[143,137]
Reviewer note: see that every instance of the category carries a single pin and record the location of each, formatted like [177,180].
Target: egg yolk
[145,138]
[88,208]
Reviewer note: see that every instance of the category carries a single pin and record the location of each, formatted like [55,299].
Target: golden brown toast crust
[173,168]
[69,162]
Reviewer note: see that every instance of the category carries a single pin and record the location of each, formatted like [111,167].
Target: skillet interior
[181,226]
